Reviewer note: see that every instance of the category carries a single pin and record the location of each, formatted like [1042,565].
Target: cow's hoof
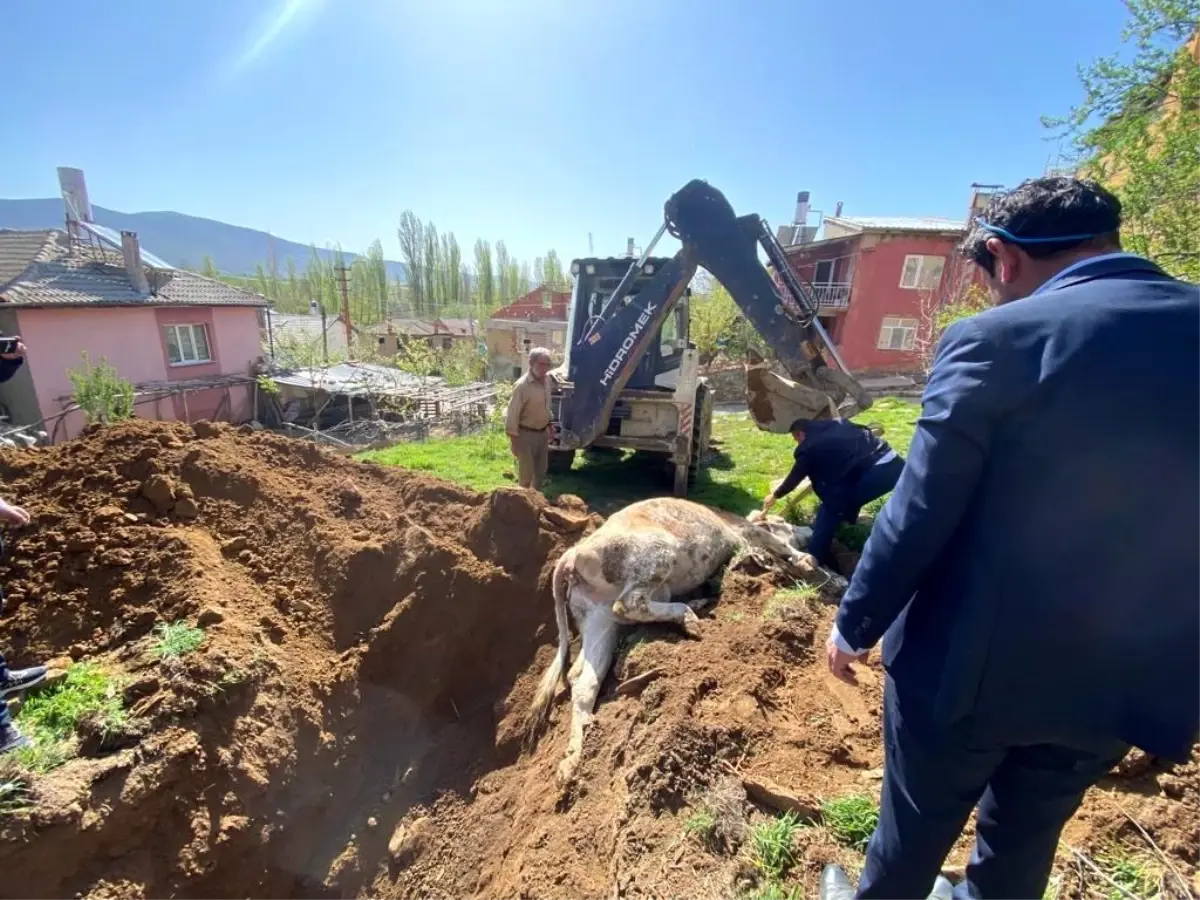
[691,624]
[566,769]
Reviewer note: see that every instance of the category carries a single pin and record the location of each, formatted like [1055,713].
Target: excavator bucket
[776,402]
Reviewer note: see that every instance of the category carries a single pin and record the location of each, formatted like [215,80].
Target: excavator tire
[560,461]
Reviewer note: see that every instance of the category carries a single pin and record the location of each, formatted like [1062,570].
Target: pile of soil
[352,723]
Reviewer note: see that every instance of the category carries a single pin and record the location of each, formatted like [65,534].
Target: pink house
[187,343]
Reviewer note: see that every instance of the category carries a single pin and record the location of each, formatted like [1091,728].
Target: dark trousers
[934,776]
[872,484]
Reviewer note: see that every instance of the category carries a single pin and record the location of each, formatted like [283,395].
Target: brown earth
[350,726]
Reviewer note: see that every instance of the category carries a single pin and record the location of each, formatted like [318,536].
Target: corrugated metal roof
[898,223]
[54,276]
[356,379]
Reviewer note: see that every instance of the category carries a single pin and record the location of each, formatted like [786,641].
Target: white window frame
[189,330]
[905,326]
[922,275]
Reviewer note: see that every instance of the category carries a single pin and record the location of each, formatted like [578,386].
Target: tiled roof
[18,249]
[457,327]
[533,307]
[38,268]
[289,326]
[406,327]
[898,223]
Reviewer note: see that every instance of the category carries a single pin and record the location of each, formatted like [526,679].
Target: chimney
[801,208]
[313,308]
[74,194]
[133,262]
[629,247]
[837,210]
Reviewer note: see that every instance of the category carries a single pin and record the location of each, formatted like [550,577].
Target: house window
[897,333]
[187,344]
[823,272]
[447,343]
[922,272]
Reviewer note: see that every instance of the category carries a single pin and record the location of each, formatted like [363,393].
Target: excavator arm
[726,245]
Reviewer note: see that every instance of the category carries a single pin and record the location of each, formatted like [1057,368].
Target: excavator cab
[595,281]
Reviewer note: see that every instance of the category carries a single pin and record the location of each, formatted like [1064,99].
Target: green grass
[736,478]
[177,639]
[702,823]
[14,795]
[775,890]
[1133,871]
[773,846]
[788,598]
[50,716]
[851,819]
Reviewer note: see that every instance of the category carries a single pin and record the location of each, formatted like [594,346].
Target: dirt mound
[350,724]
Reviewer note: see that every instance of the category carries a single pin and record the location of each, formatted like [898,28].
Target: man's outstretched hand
[13,515]
[840,662]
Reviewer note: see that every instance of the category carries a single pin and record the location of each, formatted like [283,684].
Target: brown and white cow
[632,570]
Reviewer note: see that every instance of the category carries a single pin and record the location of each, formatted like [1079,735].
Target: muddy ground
[351,724]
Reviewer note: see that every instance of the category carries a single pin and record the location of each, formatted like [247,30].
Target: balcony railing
[832,295]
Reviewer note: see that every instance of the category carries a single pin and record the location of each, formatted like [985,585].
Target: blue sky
[535,121]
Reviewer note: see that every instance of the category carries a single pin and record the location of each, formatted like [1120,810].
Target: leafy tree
[100,392]
[412,248]
[485,276]
[1138,131]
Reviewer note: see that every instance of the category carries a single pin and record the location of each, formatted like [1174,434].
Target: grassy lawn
[739,473]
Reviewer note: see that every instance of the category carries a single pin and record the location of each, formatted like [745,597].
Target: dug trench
[351,723]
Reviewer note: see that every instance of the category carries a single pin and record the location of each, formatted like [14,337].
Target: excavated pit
[351,724]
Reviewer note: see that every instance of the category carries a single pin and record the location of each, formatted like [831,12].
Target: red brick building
[876,282]
[539,319]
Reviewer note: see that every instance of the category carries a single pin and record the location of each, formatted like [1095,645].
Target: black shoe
[835,885]
[12,739]
[22,680]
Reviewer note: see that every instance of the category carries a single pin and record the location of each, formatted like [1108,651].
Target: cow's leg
[800,563]
[576,666]
[599,631]
[653,604]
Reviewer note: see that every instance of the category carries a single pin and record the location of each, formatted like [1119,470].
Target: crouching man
[848,467]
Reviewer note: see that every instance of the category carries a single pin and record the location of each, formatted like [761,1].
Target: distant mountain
[179,239]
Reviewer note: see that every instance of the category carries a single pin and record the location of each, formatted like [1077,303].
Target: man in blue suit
[1035,576]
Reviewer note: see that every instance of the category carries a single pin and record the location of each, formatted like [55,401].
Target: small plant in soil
[782,601]
[718,816]
[50,716]
[177,639]
[702,823]
[851,819]
[773,847]
[1132,870]
[774,890]
[14,795]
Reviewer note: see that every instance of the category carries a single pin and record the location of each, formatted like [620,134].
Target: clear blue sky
[535,121]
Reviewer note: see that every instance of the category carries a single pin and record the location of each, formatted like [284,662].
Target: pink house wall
[133,342]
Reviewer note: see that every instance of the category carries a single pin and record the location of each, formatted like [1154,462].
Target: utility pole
[341,273]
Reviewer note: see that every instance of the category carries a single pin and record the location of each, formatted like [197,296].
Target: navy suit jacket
[1037,569]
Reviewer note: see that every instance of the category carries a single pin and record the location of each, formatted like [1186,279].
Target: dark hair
[799,425]
[1040,209]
